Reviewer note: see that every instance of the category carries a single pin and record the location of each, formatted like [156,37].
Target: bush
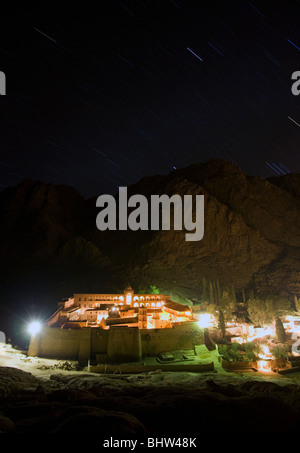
[231,353]
[251,350]
[280,351]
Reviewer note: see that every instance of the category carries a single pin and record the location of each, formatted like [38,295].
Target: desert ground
[54,396]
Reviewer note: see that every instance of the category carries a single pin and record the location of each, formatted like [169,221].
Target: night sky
[104,93]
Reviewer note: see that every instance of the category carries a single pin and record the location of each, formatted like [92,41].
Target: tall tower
[142,318]
[128,296]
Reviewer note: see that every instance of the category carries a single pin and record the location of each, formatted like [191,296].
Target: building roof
[71,309]
[177,306]
[111,321]
[102,307]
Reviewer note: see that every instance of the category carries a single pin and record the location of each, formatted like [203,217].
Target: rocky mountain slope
[50,246]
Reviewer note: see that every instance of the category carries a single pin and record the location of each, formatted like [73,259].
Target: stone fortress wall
[118,344]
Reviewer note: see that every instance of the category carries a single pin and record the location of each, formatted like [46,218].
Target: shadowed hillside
[50,246]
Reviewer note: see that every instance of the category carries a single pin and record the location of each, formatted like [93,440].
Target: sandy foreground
[45,368]
[44,395]
[10,357]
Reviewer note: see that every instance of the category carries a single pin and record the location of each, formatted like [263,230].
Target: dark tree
[204,293]
[211,293]
[243,296]
[222,324]
[280,332]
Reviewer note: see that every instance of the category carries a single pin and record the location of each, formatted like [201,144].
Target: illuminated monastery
[145,311]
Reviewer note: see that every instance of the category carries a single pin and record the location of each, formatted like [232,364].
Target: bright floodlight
[204,320]
[34,327]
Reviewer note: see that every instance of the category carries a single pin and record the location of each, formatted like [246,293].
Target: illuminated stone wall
[56,343]
[116,344]
[185,336]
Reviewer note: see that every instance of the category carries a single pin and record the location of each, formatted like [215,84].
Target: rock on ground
[167,403]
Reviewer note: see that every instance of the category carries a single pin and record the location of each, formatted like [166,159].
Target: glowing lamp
[204,320]
[34,327]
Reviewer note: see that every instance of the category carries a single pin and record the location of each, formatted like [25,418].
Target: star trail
[98,98]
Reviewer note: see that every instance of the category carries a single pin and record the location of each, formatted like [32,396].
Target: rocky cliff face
[251,238]
[252,229]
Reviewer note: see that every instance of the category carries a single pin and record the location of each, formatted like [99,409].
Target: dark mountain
[251,239]
[50,246]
